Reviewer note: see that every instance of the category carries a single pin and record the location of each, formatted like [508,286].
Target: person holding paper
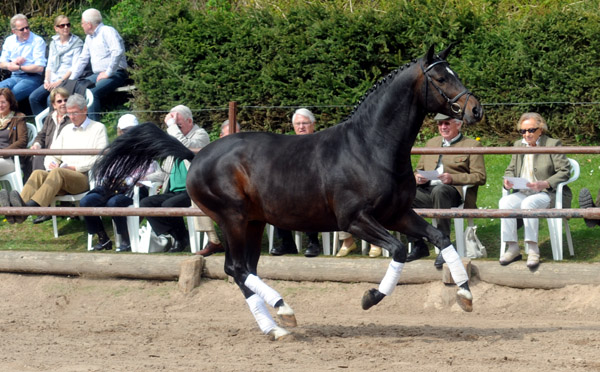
[543,173]
[440,179]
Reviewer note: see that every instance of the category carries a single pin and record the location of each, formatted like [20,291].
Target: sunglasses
[64,25]
[530,130]
[22,29]
[60,101]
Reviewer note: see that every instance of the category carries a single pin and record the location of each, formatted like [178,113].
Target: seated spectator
[304,123]
[104,50]
[225,128]
[65,48]
[348,245]
[24,55]
[99,197]
[53,125]
[66,174]
[454,171]
[13,130]
[543,172]
[172,175]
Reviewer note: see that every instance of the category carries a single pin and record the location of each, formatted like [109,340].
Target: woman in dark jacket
[13,130]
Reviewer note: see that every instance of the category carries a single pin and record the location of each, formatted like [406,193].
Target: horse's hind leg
[241,262]
[414,225]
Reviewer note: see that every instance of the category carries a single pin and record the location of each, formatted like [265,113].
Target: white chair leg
[459,233]
[555,230]
[364,246]
[335,243]
[194,243]
[569,237]
[298,240]
[326,243]
[271,232]
[133,228]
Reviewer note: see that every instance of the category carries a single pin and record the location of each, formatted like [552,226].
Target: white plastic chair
[73,198]
[197,240]
[555,225]
[39,118]
[133,226]
[298,239]
[15,178]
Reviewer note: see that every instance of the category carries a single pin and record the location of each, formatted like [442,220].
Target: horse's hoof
[278,333]
[286,316]
[464,299]
[371,298]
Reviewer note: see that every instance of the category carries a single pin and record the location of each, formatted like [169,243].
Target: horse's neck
[392,118]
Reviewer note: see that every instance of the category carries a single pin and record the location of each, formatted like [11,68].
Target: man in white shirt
[65,174]
[24,55]
[104,50]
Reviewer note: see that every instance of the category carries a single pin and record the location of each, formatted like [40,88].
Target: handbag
[473,245]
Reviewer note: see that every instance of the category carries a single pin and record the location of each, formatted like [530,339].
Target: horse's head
[444,92]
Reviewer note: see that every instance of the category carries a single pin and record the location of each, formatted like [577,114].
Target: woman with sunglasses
[52,126]
[543,173]
[64,51]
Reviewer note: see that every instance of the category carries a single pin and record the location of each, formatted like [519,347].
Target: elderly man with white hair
[303,121]
[172,175]
[105,51]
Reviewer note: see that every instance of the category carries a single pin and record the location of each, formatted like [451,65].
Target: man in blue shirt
[24,55]
[105,51]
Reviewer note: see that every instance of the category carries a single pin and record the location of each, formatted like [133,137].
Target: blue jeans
[98,198]
[102,89]
[22,84]
[39,99]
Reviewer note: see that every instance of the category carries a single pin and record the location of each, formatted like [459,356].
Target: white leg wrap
[457,270]
[390,280]
[256,285]
[261,314]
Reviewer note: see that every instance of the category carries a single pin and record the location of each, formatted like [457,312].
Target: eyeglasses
[64,25]
[530,130]
[305,123]
[22,29]
[60,101]
[440,123]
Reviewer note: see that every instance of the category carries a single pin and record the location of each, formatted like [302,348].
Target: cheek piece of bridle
[454,106]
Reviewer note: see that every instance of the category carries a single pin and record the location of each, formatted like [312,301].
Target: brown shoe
[210,249]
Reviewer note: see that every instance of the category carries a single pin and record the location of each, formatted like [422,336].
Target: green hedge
[273,56]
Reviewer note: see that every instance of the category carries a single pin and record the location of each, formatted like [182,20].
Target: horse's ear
[429,55]
[444,53]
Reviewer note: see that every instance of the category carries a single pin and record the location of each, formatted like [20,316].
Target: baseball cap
[126,121]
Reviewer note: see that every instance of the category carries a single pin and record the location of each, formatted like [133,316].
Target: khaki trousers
[42,186]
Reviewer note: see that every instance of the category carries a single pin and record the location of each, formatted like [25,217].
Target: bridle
[454,106]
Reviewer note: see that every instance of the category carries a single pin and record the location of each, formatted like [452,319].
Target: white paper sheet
[430,175]
[519,183]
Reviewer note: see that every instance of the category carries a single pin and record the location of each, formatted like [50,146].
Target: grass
[72,236]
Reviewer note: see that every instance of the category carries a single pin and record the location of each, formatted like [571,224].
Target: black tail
[132,153]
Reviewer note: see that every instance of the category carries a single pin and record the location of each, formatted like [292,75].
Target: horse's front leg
[367,228]
[241,260]
[414,225]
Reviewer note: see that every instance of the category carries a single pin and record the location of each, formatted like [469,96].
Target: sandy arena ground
[52,323]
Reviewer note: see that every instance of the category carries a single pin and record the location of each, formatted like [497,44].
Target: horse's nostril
[477,112]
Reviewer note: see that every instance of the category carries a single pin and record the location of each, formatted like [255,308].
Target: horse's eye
[441,80]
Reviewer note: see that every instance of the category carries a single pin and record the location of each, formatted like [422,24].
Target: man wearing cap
[454,171]
[98,197]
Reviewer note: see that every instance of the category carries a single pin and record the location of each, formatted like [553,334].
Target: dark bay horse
[355,177]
